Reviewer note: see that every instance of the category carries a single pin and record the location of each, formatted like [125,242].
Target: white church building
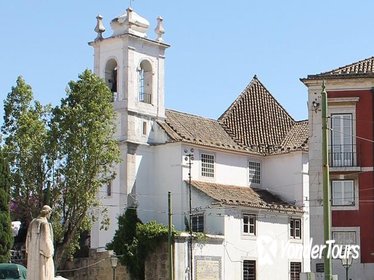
[248,174]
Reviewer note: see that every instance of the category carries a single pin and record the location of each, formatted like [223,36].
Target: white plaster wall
[230,168]
[214,217]
[163,168]
[110,206]
[269,248]
[284,175]
[287,176]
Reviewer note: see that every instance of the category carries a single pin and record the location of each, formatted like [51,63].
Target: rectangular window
[197,223]
[343,193]
[249,224]
[144,128]
[342,153]
[295,270]
[109,189]
[295,228]
[207,165]
[254,172]
[249,270]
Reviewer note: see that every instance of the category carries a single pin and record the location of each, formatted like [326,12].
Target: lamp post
[347,262]
[189,158]
[114,262]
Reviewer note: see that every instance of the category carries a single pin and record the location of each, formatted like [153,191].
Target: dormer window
[145,82]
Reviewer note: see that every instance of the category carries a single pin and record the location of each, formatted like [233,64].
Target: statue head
[46,211]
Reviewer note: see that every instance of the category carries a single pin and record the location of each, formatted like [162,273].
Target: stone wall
[156,266]
[96,267]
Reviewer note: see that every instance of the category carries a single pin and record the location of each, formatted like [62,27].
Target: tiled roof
[296,138]
[256,118]
[362,68]
[255,122]
[197,130]
[243,196]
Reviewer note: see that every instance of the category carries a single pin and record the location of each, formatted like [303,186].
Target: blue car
[12,271]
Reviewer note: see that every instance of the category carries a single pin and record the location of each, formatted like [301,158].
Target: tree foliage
[134,241]
[6,238]
[25,135]
[61,156]
[125,243]
[82,135]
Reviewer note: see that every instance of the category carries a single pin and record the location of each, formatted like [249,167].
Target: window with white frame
[342,148]
[295,228]
[207,165]
[343,192]
[254,172]
[295,270]
[249,224]
[249,270]
[197,223]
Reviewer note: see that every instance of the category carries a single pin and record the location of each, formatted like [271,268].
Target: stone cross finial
[99,29]
[160,29]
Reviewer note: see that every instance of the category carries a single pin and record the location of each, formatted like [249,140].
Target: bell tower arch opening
[145,82]
[111,79]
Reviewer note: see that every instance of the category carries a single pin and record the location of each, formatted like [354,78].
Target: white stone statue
[39,247]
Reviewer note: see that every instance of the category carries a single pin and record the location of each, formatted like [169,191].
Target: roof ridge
[191,115]
[300,121]
[347,66]
[363,68]
[239,96]
[252,82]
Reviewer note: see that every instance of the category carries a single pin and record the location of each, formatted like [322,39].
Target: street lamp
[114,262]
[347,262]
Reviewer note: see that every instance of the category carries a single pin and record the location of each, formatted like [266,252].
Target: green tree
[125,242]
[82,133]
[60,156]
[6,238]
[133,241]
[25,134]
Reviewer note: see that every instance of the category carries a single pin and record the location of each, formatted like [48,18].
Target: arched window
[145,82]
[111,77]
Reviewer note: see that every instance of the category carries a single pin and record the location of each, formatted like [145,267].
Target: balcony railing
[145,97]
[342,156]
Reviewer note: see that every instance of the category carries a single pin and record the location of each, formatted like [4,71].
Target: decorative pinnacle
[160,29]
[99,29]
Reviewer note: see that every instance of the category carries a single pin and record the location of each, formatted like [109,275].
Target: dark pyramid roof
[362,68]
[297,137]
[256,117]
[255,122]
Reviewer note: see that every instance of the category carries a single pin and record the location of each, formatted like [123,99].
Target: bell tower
[132,66]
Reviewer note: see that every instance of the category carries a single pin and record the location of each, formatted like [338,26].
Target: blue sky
[216,46]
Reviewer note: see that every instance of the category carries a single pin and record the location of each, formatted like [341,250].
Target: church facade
[242,179]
